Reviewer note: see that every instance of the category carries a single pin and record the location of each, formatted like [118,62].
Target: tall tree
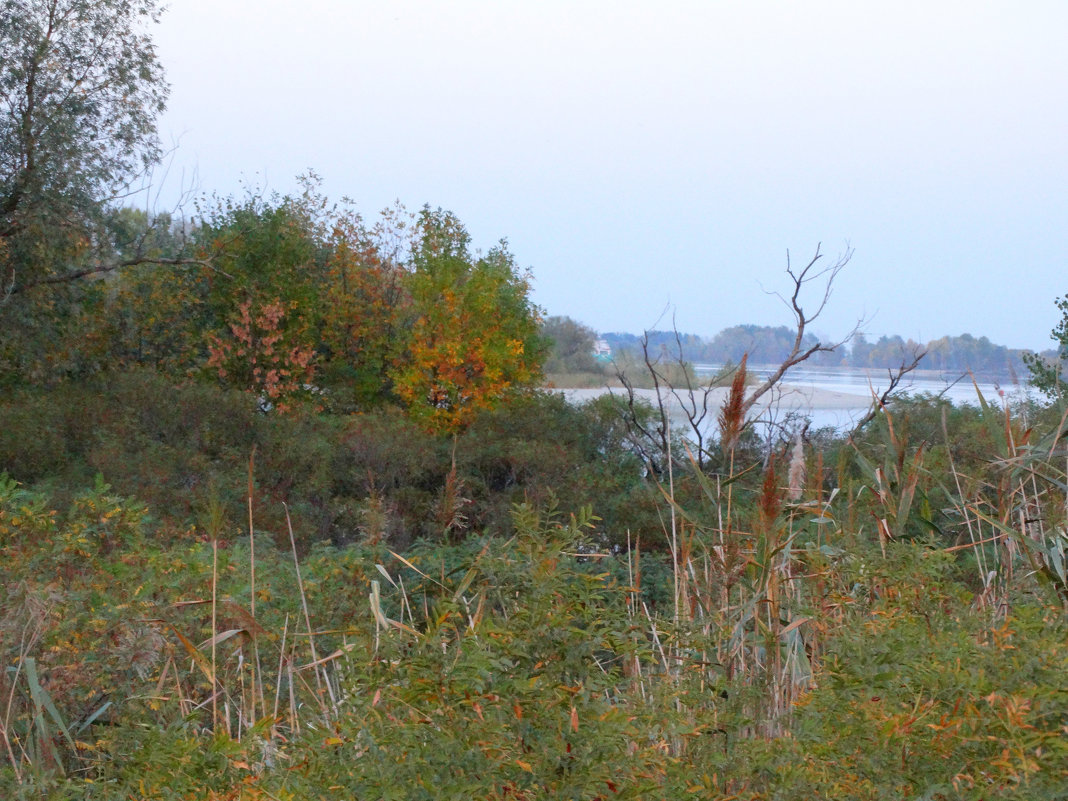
[80,91]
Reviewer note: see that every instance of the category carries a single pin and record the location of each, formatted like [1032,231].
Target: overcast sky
[644,155]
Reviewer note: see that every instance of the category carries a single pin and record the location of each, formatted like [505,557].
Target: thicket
[882,618]
[377,475]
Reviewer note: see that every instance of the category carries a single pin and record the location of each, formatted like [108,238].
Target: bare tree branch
[802,320]
[695,399]
[895,375]
[103,269]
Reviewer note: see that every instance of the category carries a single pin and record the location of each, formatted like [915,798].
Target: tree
[695,401]
[1047,375]
[80,91]
[572,346]
[363,307]
[474,331]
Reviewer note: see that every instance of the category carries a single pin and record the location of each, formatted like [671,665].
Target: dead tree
[909,362]
[812,271]
[694,399]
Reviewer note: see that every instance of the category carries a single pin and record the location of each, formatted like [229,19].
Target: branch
[104,269]
[639,433]
[802,320]
[664,427]
[896,375]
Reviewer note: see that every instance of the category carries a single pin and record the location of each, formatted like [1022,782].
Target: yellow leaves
[472,339]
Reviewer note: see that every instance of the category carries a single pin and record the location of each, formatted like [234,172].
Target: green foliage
[937,704]
[1047,375]
[572,347]
[80,91]
[280,521]
[375,475]
[526,667]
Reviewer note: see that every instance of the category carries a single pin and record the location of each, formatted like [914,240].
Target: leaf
[385,573]
[198,658]
[417,570]
[92,718]
[221,637]
[794,624]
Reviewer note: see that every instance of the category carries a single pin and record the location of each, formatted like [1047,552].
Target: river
[835,397]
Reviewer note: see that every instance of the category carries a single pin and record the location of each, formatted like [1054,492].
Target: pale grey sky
[641,154]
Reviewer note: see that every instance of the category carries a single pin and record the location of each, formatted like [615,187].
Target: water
[838,397]
[830,398]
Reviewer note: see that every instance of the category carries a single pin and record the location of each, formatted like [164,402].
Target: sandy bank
[787,396]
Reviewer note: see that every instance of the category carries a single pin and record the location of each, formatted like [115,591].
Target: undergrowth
[891,625]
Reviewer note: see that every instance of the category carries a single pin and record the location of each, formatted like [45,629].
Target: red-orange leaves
[264,351]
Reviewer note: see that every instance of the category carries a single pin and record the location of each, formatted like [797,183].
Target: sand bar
[786,396]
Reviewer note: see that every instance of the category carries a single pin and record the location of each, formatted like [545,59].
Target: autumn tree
[474,330]
[364,302]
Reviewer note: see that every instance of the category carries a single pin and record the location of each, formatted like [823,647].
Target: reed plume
[796,475]
[732,415]
[770,502]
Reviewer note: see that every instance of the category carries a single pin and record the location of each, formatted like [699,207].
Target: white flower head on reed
[796,476]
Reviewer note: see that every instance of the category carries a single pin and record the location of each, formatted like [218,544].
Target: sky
[651,161]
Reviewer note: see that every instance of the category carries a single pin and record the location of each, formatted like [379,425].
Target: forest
[770,345]
[286,512]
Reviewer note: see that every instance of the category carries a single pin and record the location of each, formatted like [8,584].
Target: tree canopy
[80,92]
[1047,374]
[474,330]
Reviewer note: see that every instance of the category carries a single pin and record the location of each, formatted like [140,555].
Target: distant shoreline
[983,377]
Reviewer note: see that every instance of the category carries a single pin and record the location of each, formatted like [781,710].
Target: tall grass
[802,639]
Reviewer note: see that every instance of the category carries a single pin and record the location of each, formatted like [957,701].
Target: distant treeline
[771,345]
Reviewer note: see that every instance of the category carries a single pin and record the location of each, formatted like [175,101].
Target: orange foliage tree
[262,355]
[474,337]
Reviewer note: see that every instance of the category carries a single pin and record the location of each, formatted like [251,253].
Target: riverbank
[789,396]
